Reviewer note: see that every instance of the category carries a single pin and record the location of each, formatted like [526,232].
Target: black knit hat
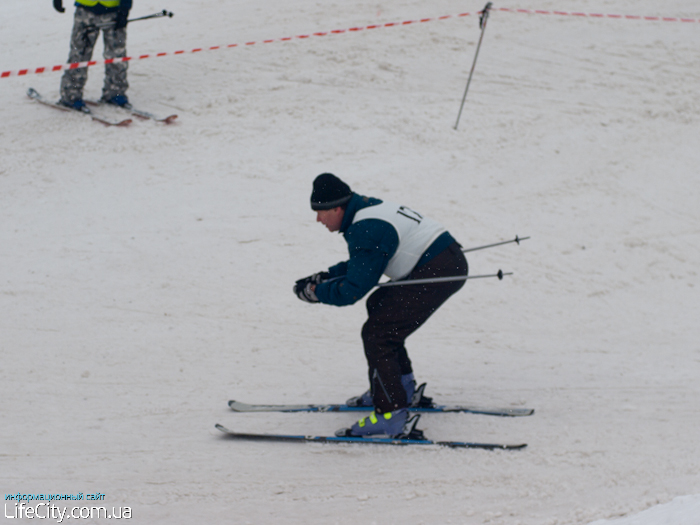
[329,192]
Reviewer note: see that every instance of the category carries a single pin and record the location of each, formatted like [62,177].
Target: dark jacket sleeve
[371,243]
[338,270]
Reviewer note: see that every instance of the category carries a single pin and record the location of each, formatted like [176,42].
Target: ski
[145,115]
[33,94]
[364,440]
[237,406]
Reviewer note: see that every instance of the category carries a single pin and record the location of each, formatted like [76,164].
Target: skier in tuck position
[91,16]
[383,238]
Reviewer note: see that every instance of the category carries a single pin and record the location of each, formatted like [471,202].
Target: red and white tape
[91,63]
[61,67]
[598,15]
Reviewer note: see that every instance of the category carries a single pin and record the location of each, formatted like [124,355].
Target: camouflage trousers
[82,42]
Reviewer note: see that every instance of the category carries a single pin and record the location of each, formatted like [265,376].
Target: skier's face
[331,219]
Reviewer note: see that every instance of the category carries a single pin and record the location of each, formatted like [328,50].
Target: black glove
[122,14]
[316,278]
[58,5]
[307,294]
[303,290]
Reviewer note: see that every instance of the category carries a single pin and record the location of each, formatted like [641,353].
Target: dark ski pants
[395,313]
[82,43]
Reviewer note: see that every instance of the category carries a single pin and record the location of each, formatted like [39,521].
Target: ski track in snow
[146,272]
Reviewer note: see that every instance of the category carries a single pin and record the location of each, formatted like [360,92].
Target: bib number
[409,213]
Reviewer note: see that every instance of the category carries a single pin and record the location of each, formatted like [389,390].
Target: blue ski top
[371,244]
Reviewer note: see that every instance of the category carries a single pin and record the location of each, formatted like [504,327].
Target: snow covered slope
[147,272]
[684,510]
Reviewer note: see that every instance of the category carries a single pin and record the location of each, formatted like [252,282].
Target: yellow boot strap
[373,418]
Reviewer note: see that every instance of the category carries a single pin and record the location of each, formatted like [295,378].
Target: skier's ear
[58,5]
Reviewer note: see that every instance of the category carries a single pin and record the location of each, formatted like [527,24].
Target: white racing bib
[416,234]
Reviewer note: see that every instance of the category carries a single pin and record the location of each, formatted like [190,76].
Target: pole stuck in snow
[500,275]
[482,24]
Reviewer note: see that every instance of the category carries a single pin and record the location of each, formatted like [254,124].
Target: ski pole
[500,275]
[162,13]
[482,24]
[169,14]
[516,240]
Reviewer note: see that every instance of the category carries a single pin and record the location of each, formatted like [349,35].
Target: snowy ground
[147,272]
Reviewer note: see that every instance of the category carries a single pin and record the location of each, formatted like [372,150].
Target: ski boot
[117,100]
[414,395]
[363,400]
[396,424]
[418,400]
[77,104]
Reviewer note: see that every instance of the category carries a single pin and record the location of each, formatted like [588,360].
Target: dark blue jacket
[371,244]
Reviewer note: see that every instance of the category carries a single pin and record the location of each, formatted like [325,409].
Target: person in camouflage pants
[91,16]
